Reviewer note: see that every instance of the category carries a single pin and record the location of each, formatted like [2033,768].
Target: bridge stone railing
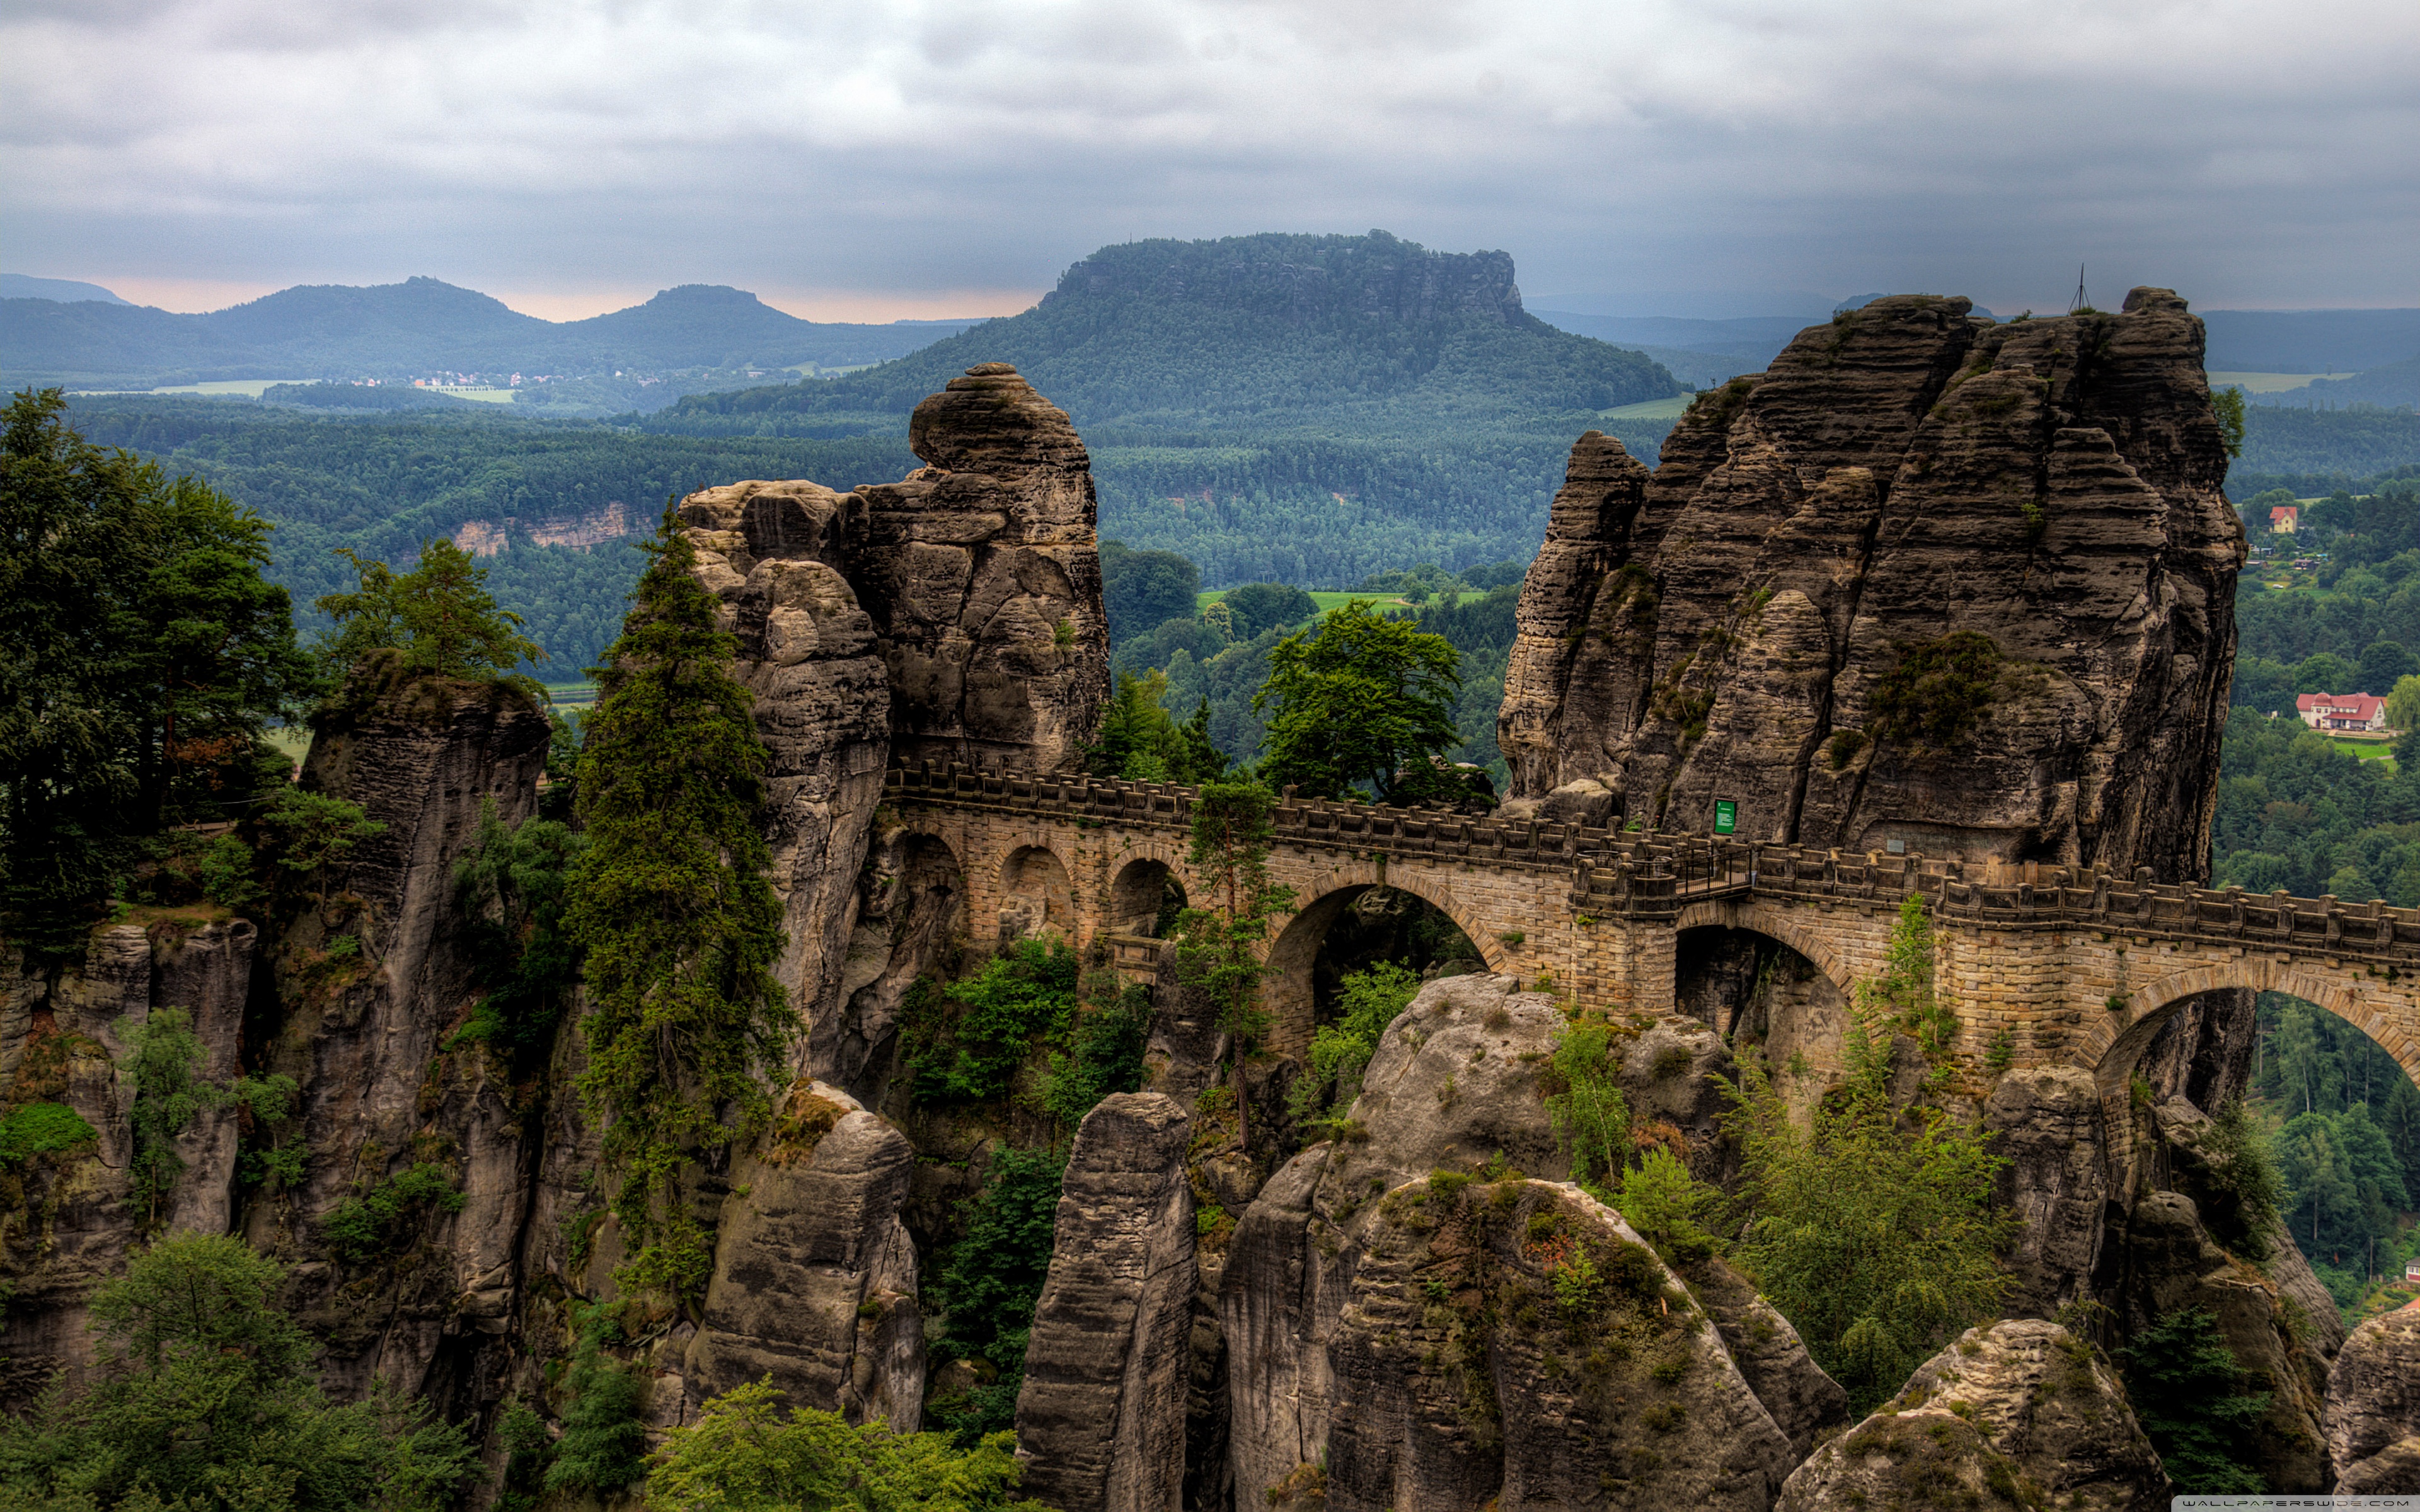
[1648,877]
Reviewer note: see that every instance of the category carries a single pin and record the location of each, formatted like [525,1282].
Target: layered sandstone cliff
[955,614]
[1929,581]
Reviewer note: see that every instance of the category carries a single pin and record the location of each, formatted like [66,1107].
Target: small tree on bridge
[1216,950]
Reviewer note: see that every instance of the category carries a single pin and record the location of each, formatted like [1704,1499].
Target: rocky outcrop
[1367,1326]
[2160,1259]
[1914,516]
[2016,1415]
[2045,1122]
[2373,1414]
[371,979]
[1804,1402]
[815,1274]
[954,615]
[1101,1417]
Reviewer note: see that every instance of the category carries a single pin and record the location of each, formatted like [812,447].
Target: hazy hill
[1293,334]
[64,290]
[2396,385]
[419,328]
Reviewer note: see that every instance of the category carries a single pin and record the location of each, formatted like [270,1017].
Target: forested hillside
[1305,408]
[381,486]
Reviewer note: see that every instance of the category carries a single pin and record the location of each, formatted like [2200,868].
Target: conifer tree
[680,925]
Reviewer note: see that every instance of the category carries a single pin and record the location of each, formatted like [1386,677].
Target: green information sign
[1725,816]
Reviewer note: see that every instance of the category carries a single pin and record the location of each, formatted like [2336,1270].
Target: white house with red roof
[2355,711]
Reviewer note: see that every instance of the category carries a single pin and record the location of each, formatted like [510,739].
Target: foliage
[2192,1400]
[990,1283]
[604,1444]
[1363,703]
[1878,1241]
[2237,1186]
[1258,607]
[528,1453]
[161,1052]
[1367,1001]
[1589,1114]
[1901,999]
[672,906]
[439,615]
[512,883]
[142,657]
[1141,741]
[1668,1207]
[34,1129]
[306,833]
[1105,1054]
[1140,589]
[1216,938]
[2344,1189]
[965,1041]
[377,1220]
[741,1455]
[2308,1061]
[1936,692]
[204,1402]
[2227,404]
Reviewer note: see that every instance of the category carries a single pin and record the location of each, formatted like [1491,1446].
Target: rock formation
[1929,581]
[2018,1415]
[2373,1414]
[1101,1418]
[1364,1329]
[955,614]
[815,1274]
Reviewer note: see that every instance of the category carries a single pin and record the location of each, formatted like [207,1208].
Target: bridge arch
[2116,1044]
[1038,891]
[1289,996]
[1774,924]
[1141,892]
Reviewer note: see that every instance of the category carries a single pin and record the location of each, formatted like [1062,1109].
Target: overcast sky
[872,159]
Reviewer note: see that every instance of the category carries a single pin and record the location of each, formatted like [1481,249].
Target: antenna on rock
[2081,301]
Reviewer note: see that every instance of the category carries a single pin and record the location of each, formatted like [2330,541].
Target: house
[2357,711]
[2411,1270]
[2281,519]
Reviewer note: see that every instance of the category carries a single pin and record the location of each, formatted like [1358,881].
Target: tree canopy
[1142,589]
[1362,704]
[143,656]
[672,904]
[439,615]
[204,1398]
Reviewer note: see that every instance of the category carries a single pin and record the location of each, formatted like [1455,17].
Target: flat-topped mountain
[1275,331]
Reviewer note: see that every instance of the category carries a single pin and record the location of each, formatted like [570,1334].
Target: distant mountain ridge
[63,291]
[418,327]
[1278,332]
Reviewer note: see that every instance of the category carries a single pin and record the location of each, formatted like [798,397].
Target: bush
[604,1444]
[205,1398]
[741,1455]
[2189,1394]
[1367,1001]
[376,1223]
[40,1128]
[1880,1242]
[1106,1056]
[1938,690]
[1589,1114]
[991,1282]
[965,1041]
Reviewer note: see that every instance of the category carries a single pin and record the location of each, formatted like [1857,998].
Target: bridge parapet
[1645,876]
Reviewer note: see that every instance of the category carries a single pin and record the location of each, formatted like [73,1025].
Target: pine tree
[680,925]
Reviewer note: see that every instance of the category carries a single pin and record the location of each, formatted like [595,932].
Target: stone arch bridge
[2044,966]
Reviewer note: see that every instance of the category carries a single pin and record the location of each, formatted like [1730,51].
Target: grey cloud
[906,145]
